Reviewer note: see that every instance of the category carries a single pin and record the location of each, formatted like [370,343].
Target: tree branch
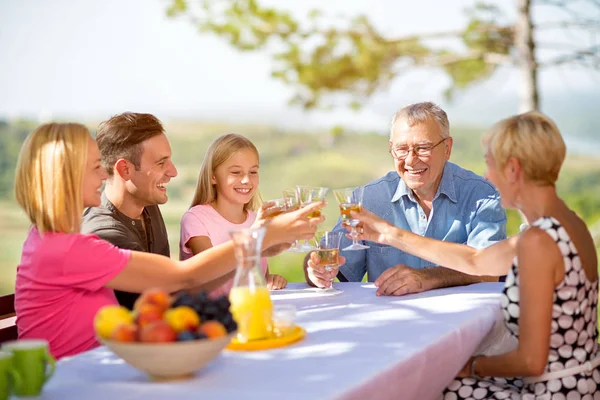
[424,36]
[584,24]
[444,35]
[580,55]
[489,58]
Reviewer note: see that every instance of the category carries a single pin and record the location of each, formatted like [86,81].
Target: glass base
[295,249]
[355,246]
[331,290]
[306,247]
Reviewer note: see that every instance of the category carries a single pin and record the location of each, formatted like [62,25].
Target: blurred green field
[288,159]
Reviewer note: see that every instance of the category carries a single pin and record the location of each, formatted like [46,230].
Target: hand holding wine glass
[319,274]
[308,195]
[328,251]
[371,228]
[350,200]
[292,203]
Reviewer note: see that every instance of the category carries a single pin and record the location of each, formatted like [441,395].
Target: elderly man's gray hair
[419,113]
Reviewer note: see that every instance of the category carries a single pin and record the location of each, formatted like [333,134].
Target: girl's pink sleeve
[191,226]
[92,262]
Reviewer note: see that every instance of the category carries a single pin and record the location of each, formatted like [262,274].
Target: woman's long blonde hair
[217,153]
[49,176]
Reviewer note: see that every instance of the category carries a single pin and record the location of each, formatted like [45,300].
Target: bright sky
[90,59]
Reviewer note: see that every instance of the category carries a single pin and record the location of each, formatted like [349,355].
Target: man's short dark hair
[121,137]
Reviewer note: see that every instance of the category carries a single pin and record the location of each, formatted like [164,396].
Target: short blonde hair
[217,153]
[532,138]
[49,176]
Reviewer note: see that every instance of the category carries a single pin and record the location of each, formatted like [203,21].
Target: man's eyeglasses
[400,153]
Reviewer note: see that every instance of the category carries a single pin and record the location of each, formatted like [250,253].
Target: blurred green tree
[11,137]
[352,60]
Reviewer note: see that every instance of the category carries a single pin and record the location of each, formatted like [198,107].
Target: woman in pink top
[65,277]
[226,198]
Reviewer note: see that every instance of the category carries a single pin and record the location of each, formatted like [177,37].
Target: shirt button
[132,222]
[422,216]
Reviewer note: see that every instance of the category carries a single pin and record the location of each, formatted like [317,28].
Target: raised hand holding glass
[350,199]
[306,196]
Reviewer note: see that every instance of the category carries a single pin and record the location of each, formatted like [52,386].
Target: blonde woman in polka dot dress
[551,293]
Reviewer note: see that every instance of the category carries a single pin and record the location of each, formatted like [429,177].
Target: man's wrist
[433,278]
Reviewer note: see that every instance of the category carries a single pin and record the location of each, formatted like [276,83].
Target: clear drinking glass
[306,196]
[328,250]
[350,199]
[284,319]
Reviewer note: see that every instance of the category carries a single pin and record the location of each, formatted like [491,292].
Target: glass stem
[354,235]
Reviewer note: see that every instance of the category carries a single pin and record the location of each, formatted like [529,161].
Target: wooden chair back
[8,327]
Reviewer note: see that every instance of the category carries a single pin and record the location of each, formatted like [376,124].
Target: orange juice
[252,309]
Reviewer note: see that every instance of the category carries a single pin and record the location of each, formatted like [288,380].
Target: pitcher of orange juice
[250,300]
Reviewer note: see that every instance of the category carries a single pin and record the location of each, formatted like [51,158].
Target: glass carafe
[251,304]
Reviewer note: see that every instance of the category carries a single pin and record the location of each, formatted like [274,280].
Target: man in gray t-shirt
[137,156]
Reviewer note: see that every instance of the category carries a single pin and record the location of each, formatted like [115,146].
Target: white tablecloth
[358,346]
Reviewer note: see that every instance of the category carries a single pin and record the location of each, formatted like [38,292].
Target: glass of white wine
[350,199]
[292,204]
[306,196]
[328,250]
[278,206]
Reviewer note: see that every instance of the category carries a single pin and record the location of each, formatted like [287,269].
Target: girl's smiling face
[236,180]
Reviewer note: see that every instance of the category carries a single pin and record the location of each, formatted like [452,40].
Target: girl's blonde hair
[532,138]
[217,153]
[49,176]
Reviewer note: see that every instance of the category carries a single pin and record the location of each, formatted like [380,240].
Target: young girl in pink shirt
[226,198]
[65,277]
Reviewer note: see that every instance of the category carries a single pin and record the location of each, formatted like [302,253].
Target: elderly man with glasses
[428,195]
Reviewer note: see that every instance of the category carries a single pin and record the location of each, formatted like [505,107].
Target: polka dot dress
[573,340]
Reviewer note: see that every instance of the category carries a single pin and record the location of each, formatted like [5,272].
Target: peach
[109,317]
[148,313]
[124,333]
[156,297]
[157,332]
[182,318]
[212,329]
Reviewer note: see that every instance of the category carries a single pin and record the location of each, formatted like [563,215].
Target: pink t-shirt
[60,287]
[203,220]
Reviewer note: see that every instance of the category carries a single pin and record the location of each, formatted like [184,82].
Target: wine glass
[328,250]
[350,199]
[279,206]
[291,198]
[306,196]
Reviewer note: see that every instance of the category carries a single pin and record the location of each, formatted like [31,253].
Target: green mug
[9,377]
[31,359]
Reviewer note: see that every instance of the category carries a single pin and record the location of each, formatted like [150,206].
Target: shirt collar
[446,187]
[111,207]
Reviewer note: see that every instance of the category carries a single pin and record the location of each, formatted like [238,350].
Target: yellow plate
[295,334]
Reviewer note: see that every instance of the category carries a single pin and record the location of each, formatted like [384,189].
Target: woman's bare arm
[147,270]
[199,244]
[494,260]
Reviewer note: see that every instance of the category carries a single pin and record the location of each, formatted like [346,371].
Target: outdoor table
[358,346]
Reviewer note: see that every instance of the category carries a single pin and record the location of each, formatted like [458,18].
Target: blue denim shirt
[466,209]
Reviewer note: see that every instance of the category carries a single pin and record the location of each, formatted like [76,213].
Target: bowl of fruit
[168,337]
